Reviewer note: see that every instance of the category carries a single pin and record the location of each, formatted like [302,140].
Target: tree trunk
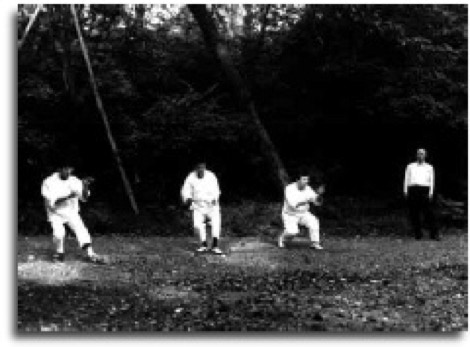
[264,24]
[29,26]
[99,104]
[248,21]
[140,16]
[220,50]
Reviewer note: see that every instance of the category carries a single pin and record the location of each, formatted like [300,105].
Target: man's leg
[200,228]
[81,233]
[414,201]
[291,228]
[430,219]
[58,239]
[313,226]
[215,219]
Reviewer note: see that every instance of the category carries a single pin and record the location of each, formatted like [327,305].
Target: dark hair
[302,172]
[64,164]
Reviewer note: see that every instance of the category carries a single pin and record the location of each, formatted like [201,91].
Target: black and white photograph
[241,168]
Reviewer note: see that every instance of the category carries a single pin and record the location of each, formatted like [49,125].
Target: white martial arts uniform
[54,188]
[293,216]
[205,194]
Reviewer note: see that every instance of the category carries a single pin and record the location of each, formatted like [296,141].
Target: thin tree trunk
[264,24]
[29,26]
[140,24]
[220,50]
[140,16]
[248,21]
[99,104]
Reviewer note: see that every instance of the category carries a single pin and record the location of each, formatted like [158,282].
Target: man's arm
[317,196]
[215,190]
[186,193]
[431,185]
[48,194]
[65,198]
[292,200]
[85,189]
[289,198]
[52,200]
[406,181]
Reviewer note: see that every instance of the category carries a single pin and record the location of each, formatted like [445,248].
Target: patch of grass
[382,283]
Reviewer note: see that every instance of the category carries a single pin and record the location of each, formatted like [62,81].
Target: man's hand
[319,200]
[87,181]
[188,202]
[321,189]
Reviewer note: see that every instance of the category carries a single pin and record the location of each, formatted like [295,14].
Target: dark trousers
[419,204]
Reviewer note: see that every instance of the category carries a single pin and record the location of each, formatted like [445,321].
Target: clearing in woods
[157,283]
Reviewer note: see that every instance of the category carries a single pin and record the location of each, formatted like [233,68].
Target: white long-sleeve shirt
[293,195]
[54,188]
[419,175]
[203,191]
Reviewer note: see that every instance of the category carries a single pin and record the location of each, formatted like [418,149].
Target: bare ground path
[158,283]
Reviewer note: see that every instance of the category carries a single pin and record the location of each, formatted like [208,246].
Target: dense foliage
[350,90]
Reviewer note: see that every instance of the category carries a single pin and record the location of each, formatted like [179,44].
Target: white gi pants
[212,216]
[292,222]
[75,222]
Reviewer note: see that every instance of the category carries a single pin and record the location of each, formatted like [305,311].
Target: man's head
[65,171]
[421,155]
[303,179]
[200,169]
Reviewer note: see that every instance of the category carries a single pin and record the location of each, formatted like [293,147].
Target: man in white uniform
[62,192]
[201,193]
[295,212]
[418,189]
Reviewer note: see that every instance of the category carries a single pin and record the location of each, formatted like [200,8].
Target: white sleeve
[48,193]
[431,185]
[215,187]
[314,197]
[77,187]
[407,179]
[186,191]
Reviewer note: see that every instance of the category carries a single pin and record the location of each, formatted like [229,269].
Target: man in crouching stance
[201,193]
[62,192]
[297,198]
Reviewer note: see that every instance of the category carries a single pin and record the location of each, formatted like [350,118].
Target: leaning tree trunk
[99,104]
[215,44]
[31,21]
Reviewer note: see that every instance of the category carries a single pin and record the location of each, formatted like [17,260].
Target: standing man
[62,192]
[295,212]
[201,193]
[419,192]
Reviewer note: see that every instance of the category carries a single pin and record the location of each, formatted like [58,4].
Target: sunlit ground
[158,283]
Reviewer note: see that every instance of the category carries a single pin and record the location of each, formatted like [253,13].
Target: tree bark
[264,24]
[29,26]
[140,16]
[99,104]
[219,49]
